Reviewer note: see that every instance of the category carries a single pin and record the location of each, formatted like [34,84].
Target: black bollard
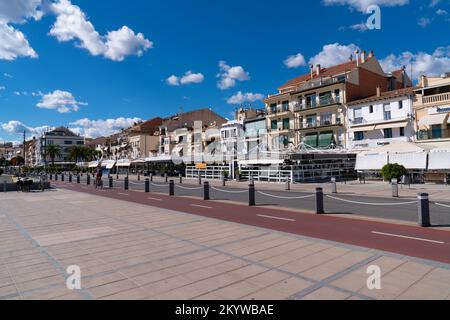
[251,195]
[78,179]
[70,178]
[125,183]
[424,210]
[139,177]
[223,181]
[56,177]
[181,178]
[51,176]
[88,179]
[319,201]
[199,178]
[62,177]
[4,186]
[171,188]
[151,177]
[147,185]
[206,191]
[111,182]
[166,177]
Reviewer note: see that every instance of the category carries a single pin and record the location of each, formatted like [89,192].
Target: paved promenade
[135,251]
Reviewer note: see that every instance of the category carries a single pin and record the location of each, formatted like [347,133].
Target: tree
[393,171]
[52,151]
[77,153]
[17,161]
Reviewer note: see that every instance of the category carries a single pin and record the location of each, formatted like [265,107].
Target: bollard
[51,176]
[251,195]
[125,183]
[78,179]
[117,176]
[139,177]
[394,188]
[111,182]
[199,178]
[181,178]
[151,177]
[70,178]
[62,177]
[147,185]
[56,177]
[166,177]
[206,191]
[171,188]
[424,210]
[223,181]
[319,201]
[4,186]
[288,184]
[88,179]
[333,185]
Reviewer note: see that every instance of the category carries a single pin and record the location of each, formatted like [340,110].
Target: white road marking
[442,205]
[155,199]
[199,206]
[123,194]
[277,218]
[406,237]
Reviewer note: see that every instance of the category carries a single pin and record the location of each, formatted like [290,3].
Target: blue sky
[136,59]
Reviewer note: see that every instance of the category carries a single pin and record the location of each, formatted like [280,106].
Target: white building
[382,119]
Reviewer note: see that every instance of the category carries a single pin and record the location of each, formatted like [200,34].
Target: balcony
[323,123]
[321,103]
[425,135]
[437,98]
[278,110]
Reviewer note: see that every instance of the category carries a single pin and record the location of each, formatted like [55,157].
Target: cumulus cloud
[16,127]
[441,12]
[423,22]
[18,11]
[432,64]
[361,27]
[61,101]
[333,54]
[240,98]
[72,24]
[295,61]
[188,78]
[229,75]
[98,128]
[362,5]
[14,44]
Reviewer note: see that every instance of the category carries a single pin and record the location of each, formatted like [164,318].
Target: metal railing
[443,97]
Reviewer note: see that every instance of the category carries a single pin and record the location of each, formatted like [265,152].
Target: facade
[432,109]
[61,137]
[381,119]
[310,110]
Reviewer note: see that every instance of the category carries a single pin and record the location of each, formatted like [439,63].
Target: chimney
[357,57]
[423,81]
[311,67]
[363,56]
[371,54]
[378,91]
[318,70]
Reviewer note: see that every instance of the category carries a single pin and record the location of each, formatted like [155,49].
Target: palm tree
[77,153]
[52,151]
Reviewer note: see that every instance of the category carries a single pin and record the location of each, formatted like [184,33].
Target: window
[337,94]
[286,124]
[357,116]
[285,106]
[387,112]
[359,136]
[325,98]
[67,142]
[387,133]
[402,132]
[273,108]
[311,101]
[274,125]
[400,104]
[80,142]
[370,109]
[311,121]
[326,118]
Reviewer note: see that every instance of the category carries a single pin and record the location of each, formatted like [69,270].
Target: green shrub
[393,171]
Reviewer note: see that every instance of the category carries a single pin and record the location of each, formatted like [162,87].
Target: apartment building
[310,111]
[432,109]
[61,137]
[382,119]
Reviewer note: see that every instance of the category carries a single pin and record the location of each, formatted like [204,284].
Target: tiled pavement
[131,251]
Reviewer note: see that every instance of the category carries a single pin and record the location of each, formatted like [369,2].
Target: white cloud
[7,75]
[441,12]
[72,24]
[14,44]
[434,3]
[2,88]
[240,98]
[362,5]
[361,27]
[295,61]
[20,93]
[97,128]
[333,54]
[433,64]
[61,101]
[423,22]
[188,78]
[17,127]
[17,11]
[229,75]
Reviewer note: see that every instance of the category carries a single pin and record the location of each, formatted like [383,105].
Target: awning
[123,163]
[439,160]
[374,161]
[109,164]
[363,128]
[392,125]
[325,140]
[93,164]
[138,161]
[410,160]
[433,119]
[159,159]
[261,162]
[310,141]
